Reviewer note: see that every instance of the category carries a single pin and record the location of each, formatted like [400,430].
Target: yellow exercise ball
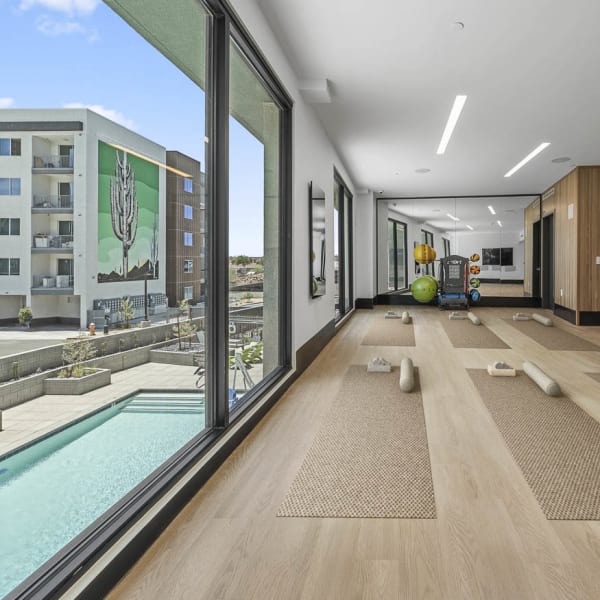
[474,257]
[424,254]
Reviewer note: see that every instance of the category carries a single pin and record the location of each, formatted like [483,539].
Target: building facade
[81,200]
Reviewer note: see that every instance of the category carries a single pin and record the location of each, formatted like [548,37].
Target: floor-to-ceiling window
[397,258]
[342,247]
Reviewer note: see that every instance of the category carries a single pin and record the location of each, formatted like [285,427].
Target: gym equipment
[453,282]
[474,282]
[541,319]
[455,316]
[474,269]
[390,314]
[521,317]
[405,318]
[474,318]
[424,289]
[501,369]
[547,384]
[474,257]
[407,375]
[474,295]
[379,365]
[240,367]
[424,254]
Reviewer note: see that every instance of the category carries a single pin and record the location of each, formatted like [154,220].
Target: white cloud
[67,6]
[109,113]
[6,102]
[49,26]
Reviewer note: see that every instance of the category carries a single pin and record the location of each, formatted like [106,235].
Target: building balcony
[52,284]
[43,243]
[52,204]
[53,163]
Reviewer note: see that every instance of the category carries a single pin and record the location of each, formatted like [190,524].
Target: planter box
[77,385]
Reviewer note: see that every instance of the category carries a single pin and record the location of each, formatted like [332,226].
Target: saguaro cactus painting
[127,216]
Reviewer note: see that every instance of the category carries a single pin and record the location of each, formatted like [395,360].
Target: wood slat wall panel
[589,238]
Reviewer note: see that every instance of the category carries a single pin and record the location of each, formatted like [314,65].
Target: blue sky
[60,53]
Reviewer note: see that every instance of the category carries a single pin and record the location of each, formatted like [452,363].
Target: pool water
[52,490]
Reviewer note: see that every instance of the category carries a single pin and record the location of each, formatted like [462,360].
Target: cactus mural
[124,207]
[128,219]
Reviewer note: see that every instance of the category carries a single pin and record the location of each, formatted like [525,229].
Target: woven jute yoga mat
[389,332]
[463,334]
[370,458]
[595,376]
[555,443]
[552,338]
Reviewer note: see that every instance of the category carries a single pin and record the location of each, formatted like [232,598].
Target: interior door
[548,262]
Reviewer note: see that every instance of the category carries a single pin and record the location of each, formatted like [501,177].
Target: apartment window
[188,212]
[10,266]
[10,186]
[10,226]
[397,256]
[188,266]
[188,239]
[188,185]
[10,146]
[188,292]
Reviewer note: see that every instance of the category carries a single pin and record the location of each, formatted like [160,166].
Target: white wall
[10,306]
[469,243]
[314,159]
[364,245]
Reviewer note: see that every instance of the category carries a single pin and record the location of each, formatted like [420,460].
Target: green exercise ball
[424,289]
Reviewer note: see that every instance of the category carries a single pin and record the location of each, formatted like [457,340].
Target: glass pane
[336,248]
[391,256]
[15,226]
[347,252]
[254,247]
[401,254]
[4,146]
[145,133]
[15,147]
[4,226]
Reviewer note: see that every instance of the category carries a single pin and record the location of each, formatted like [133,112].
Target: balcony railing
[53,202]
[53,241]
[53,161]
[52,281]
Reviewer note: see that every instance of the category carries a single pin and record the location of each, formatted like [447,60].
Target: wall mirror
[316,219]
[499,229]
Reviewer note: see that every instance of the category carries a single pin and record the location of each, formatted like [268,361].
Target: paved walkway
[32,419]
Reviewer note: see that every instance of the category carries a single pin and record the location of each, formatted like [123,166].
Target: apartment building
[63,180]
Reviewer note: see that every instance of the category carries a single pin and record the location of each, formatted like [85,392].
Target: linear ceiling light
[457,107]
[499,223]
[531,155]
[452,217]
[471,228]
[150,160]
[491,209]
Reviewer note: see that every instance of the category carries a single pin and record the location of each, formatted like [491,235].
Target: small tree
[184,328]
[25,315]
[73,354]
[126,311]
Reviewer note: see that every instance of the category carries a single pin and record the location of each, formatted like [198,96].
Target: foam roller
[407,375]
[474,318]
[541,319]
[405,318]
[521,317]
[546,384]
[456,316]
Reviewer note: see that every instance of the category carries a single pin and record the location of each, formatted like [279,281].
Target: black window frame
[344,193]
[12,223]
[395,223]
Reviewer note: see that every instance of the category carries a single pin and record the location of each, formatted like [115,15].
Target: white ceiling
[529,67]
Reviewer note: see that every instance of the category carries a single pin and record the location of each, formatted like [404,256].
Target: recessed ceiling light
[458,25]
[471,228]
[380,192]
[452,217]
[561,159]
[457,107]
[531,155]
[423,170]
[397,173]
[491,209]
[499,223]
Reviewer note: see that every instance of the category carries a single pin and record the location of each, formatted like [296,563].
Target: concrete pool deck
[30,420]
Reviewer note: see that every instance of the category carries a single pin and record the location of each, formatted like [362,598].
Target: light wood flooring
[490,539]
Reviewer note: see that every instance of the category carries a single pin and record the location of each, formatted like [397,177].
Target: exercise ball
[475,295]
[474,257]
[424,254]
[474,282]
[475,269]
[424,289]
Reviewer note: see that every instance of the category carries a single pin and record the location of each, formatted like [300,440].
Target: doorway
[536,261]
[548,262]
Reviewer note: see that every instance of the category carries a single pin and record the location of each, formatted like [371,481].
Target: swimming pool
[53,489]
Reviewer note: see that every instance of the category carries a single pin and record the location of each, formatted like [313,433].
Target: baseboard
[311,349]
[489,301]
[589,317]
[568,314]
[498,280]
[364,303]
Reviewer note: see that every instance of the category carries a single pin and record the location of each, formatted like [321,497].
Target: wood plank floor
[490,539]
